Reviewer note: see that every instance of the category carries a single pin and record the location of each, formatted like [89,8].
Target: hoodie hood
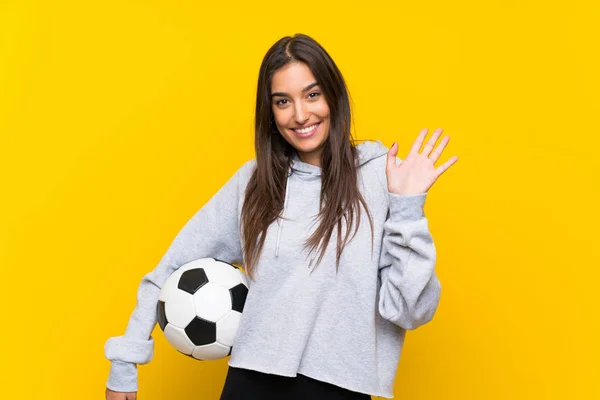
[366,152]
[308,172]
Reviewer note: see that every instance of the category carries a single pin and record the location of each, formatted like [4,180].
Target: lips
[308,131]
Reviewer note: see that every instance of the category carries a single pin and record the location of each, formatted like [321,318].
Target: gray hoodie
[346,329]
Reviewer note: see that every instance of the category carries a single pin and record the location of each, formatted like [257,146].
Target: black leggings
[245,384]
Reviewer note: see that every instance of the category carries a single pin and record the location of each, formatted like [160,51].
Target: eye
[316,93]
[279,102]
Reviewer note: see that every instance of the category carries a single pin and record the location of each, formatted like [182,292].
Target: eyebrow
[283,94]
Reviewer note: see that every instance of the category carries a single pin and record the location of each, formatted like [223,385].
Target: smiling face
[301,111]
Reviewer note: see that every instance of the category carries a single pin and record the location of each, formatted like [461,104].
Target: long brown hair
[264,197]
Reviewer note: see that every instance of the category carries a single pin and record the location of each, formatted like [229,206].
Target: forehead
[292,78]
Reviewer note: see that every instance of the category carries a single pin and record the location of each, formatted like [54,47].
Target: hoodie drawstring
[280,222]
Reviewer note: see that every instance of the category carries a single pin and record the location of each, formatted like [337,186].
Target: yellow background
[119,119]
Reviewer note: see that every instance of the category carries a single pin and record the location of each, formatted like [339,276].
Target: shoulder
[248,166]
[373,171]
[377,163]
[373,154]
[245,171]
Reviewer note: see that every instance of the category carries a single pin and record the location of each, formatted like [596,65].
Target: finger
[438,151]
[391,156]
[442,168]
[431,142]
[414,150]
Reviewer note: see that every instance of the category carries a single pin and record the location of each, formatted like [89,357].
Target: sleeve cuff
[122,377]
[121,348]
[407,207]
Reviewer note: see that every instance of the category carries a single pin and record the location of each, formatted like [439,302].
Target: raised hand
[416,173]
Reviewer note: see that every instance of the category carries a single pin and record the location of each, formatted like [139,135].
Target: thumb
[131,396]
[391,155]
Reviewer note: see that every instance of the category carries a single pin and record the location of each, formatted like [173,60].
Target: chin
[306,145]
[309,147]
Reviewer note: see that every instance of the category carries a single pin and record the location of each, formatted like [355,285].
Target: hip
[246,384]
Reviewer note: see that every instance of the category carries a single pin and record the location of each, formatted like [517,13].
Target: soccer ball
[200,306]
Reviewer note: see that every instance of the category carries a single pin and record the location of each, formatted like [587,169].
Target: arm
[410,289]
[212,232]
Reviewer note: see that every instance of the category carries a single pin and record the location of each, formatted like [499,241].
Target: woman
[330,298]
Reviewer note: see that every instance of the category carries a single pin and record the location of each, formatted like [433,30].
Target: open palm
[417,173]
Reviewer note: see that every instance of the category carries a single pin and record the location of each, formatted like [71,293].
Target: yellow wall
[119,119]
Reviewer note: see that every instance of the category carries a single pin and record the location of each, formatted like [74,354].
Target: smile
[307,130]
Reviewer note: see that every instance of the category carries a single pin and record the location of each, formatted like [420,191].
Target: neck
[313,158]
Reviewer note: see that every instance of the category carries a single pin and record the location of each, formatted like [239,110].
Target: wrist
[407,207]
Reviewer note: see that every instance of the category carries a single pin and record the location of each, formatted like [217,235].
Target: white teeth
[306,130]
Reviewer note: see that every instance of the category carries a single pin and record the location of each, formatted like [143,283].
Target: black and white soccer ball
[200,306]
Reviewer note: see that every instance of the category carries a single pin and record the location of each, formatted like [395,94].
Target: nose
[301,115]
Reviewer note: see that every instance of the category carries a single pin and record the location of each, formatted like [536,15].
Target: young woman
[332,235]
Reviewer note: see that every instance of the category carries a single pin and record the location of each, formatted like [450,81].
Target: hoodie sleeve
[211,232]
[410,289]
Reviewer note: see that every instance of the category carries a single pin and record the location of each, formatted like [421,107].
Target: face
[301,111]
